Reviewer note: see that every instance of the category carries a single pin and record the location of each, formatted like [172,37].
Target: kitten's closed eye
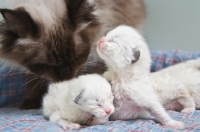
[77,99]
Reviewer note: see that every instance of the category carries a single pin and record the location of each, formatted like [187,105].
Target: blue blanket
[32,121]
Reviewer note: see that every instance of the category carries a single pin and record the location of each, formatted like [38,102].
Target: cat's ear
[19,22]
[136,56]
[79,9]
[78,98]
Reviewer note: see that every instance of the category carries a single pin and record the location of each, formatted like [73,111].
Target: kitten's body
[56,40]
[77,101]
[178,87]
[128,59]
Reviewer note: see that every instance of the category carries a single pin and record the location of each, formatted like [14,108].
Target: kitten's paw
[175,124]
[71,126]
[188,110]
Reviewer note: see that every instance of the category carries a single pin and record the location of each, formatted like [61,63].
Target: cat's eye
[99,105]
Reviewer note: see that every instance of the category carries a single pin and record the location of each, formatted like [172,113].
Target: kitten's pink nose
[101,44]
[108,111]
[102,40]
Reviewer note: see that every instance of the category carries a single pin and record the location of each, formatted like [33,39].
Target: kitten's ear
[136,55]
[18,21]
[78,98]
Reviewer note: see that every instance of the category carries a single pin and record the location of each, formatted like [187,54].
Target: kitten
[128,59]
[54,39]
[178,86]
[84,100]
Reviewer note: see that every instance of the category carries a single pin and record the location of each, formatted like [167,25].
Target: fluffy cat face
[119,47]
[97,98]
[53,50]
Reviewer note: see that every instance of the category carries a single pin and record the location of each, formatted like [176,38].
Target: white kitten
[128,59]
[178,86]
[85,100]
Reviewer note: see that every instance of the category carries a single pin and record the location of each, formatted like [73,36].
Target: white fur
[59,104]
[134,96]
[46,12]
[178,86]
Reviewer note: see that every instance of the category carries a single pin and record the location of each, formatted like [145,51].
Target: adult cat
[53,39]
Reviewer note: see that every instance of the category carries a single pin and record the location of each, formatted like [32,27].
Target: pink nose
[102,40]
[108,111]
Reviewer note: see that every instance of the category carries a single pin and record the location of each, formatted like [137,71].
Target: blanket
[12,119]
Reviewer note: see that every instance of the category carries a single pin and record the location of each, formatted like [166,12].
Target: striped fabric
[14,120]
[12,86]
[163,59]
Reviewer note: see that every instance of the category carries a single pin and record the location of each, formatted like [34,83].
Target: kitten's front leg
[65,124]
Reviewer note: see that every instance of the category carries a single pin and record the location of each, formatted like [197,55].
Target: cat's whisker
[94,65]
[93,61]
[87,70]
[98,66]
[29,81]
[39,83]
[96,62]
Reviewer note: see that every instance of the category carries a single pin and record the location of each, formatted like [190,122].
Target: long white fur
[134,95]
[60,107]
[178,87]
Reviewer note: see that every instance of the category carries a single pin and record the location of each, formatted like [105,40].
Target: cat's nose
[108,111]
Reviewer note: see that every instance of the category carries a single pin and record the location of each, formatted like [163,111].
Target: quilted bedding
[12,90]
[12,119]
